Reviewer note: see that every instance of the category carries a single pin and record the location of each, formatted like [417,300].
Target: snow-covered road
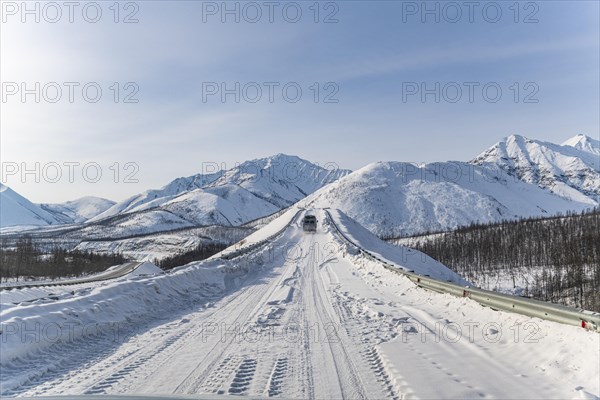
[305,318]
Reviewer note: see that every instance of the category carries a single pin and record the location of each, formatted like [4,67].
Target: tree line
[26,261]
[200,252]
[558,258]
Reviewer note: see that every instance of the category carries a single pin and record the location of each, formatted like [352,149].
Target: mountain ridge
[268,184]
[17,210]
[78,210]
[571,170]
[544,176]
[400,199]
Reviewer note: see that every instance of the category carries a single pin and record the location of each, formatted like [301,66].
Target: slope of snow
[17,210]
[396,199]
[147,222]
[248,191]
[79,210]
[117,302]
[156,197]
[281,179]
[147,268]
[571,170]
[269,229]
[163,244]
[584,143]
[409,259]
[228,205]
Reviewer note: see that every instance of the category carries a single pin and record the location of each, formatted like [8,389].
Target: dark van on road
[309,223]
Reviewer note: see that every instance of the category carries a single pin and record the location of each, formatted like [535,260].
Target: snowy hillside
[148,247]
[570,170]
[156,197]
[409,259]
[17,210]
[79,210]
[248,191]
[394,198]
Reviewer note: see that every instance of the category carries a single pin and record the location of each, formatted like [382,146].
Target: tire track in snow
[350,384]
[275,380]
[253,302]
[243,377]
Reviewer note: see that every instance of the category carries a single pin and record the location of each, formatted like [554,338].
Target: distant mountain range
[251,190]
[17,210]
[514,178]
[570,170]
[80,210]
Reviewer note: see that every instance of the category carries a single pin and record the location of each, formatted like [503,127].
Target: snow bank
[262,234]
[26,329]
[405,257]
[146,268]
[97,310]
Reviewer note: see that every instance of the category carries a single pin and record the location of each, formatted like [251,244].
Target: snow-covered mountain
[248,191]
[395,198]
[17,210]
[156,197]
[516,177]
[584,143]
[79,210]
[570,170]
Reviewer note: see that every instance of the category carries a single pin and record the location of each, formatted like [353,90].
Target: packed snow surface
[303,317]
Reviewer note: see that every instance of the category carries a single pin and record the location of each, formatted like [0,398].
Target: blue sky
[370,57]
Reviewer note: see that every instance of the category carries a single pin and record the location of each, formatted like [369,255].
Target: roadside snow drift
[121,302]
[409,259]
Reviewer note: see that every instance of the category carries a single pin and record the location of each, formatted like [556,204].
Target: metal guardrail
[497,301]
[246,249]
[126,270]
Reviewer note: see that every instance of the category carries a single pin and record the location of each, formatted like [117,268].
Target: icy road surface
[304,318]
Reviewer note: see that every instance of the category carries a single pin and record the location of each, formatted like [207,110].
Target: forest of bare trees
[201,252]
[559,257]
[26,261]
